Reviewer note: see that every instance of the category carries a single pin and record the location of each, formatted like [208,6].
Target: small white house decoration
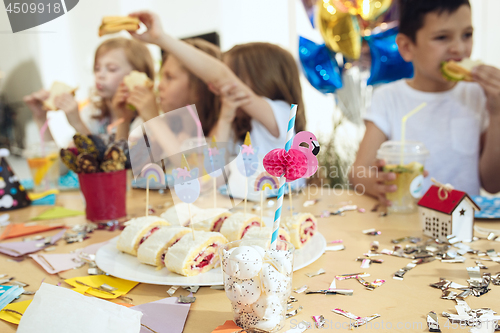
[445,212]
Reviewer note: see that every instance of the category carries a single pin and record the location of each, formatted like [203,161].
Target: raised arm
[209,69]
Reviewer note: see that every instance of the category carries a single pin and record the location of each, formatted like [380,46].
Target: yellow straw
[403,128]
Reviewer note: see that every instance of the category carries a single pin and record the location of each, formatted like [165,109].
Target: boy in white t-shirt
[460,126]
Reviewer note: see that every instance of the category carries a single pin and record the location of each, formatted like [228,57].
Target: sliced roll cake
[153,250]
[179,214]
[266,232]
[210,219]
[137,231]
[190,256]
[301,228]
[235,227]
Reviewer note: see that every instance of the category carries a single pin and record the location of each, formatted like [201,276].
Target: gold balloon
[339,28]
[369,10]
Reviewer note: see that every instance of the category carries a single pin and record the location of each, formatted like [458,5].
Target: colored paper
[123,286]
[164,313]
[58,309]
[18,230]
[57,262]
[8,294]
[17,249]
[12,317]
[228,327]
[36,196]
[57,213]
[49,200]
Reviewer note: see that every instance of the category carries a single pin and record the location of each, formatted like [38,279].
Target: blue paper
[320,67]
[8,294]
[387,64]
[48,200]
[490,207]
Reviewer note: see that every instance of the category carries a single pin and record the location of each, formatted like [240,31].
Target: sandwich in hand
[114,24]
[135,79]
[58,88]
[459,71]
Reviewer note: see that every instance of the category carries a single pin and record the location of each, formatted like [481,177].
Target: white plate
[127,267]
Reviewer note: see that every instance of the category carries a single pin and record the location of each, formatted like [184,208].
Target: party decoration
[265,181]
[320,67]
[339,28]
[248,159]
[290,164]
[310,151]
[387,64]
[152,171]
[12,193]
[370,10]
[187,185]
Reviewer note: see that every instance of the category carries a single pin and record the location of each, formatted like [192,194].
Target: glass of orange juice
[43,161]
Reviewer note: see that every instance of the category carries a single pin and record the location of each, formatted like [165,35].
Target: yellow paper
[57,213]
[36,196]
[12,317]
[123,286]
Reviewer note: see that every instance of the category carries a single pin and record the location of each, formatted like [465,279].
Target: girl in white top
[257,82]
[114,59]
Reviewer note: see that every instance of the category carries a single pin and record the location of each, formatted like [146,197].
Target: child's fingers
[382,188]
[487,74]
[383,200]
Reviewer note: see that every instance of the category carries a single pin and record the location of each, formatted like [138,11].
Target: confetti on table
[319,272]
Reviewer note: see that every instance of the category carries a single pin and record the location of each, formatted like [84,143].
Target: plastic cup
[105,195]
[407,161]
[258,282]
[43,161]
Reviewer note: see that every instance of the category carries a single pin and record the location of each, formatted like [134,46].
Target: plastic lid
[408,148]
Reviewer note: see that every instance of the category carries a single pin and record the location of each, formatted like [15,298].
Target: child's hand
[233,96]
[68,104]
[489,78]
[152,23]
[144,100]
[376,180]
[35,101]
[119,104]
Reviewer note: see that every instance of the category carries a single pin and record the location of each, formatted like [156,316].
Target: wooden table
[403,305]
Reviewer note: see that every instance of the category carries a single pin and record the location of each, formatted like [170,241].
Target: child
[257,83]
[114,59]
[459,125]
[177,88]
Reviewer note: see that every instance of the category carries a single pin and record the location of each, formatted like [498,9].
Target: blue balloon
[320,67]
[387,64]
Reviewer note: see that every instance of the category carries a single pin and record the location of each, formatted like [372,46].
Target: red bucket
[105,195]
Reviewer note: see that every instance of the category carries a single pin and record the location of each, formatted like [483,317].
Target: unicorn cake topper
[186,183]
[248,159]
[214,159]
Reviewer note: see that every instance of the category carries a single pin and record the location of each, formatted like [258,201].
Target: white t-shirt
[96,126]
[450,127]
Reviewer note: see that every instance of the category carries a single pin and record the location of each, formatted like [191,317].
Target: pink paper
[57,262]
[17,249]
[162,315]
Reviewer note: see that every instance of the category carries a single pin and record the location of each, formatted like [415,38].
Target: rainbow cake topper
[153,171]
[265,181]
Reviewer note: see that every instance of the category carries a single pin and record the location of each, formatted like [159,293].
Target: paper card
[12,317]
[228,327]
[61,130]
[57,262]
[57,213]
[58,309]
[164,313]
[21,229]
[123,286]
[17,249]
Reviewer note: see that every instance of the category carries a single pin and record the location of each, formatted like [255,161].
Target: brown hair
[138,56]
[207,103]
[270,71]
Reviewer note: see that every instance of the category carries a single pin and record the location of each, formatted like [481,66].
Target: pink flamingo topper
[308,139]
[298,162]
